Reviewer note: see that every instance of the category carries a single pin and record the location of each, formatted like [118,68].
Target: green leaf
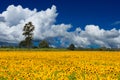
[72,76]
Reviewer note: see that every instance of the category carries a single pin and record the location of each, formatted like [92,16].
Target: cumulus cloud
[93,35]
[2,19]
[15,17]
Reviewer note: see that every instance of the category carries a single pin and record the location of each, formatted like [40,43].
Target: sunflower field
[59,65]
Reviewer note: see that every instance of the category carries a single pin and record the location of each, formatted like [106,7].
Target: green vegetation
[33,49]
[71,47]
[44,44]
[28,33]
[52,49]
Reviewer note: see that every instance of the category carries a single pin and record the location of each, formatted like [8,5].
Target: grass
[31,49]
[52,49]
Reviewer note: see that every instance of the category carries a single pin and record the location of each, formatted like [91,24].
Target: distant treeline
[47,48]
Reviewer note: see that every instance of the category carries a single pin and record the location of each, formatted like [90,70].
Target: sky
[84,23]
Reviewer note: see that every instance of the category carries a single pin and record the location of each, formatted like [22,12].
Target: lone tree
[71,47]
[28,33]
[44,44]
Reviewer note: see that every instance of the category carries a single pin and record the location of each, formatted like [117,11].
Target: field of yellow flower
[59,65]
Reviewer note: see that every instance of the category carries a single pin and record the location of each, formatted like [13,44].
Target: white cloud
[2,19]
[93,35]
[14,18]
[15,14]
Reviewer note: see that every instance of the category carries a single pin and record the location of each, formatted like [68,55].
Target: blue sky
[82,22]
[78,13]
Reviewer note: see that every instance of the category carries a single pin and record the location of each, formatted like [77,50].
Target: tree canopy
[71,47]
[44,44]
[28,33]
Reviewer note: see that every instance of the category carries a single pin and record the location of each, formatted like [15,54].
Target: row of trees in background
[45,44]
[42,44]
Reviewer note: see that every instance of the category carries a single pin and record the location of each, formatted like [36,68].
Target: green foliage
[22,44]
[119,76]
[3,78]
[44,44]
[97,77]
[72,76]
[21,78]
[48,79]
[28,33]
[71,47]
[83,75]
